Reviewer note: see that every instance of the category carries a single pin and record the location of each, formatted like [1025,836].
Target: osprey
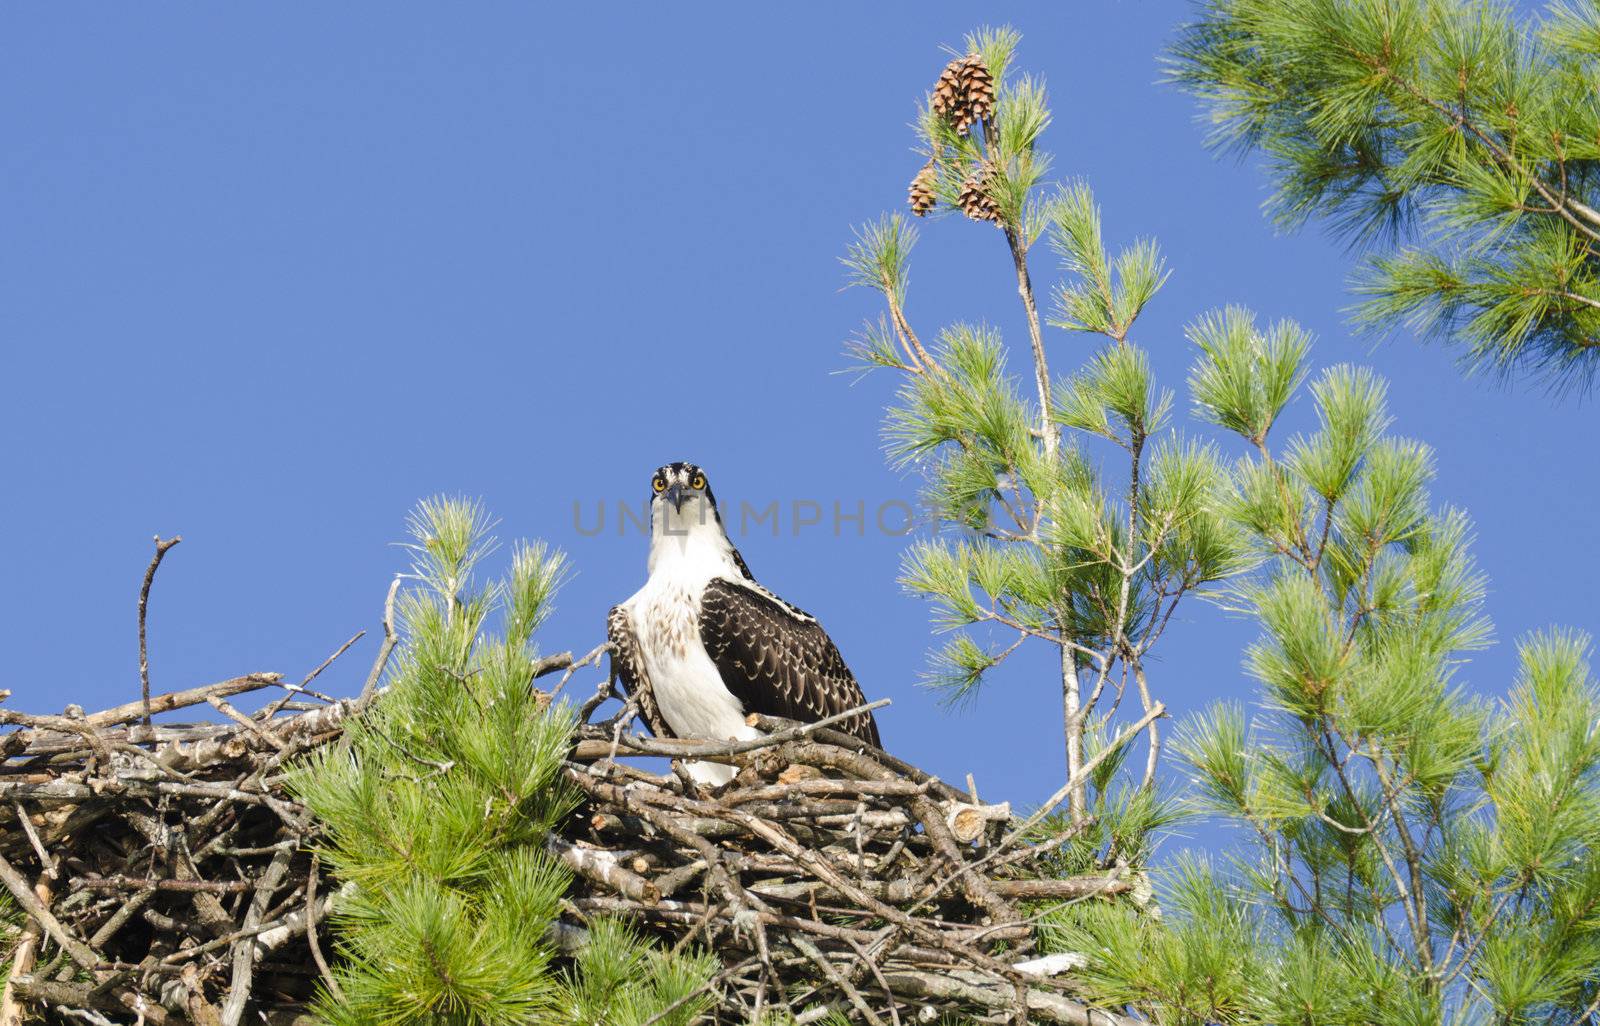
[702,645]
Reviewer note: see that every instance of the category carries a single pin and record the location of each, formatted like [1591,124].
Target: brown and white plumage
[627,664]
[701,645]
[776,659]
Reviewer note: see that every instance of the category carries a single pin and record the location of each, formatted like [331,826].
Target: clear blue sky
[270,274]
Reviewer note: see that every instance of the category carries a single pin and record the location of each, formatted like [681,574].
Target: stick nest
[165,875]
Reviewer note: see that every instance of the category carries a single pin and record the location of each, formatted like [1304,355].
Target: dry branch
[855,880]
[144,603]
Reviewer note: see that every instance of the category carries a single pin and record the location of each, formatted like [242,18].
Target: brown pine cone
[949,93]
[922,196]
[978,90]
[975,200]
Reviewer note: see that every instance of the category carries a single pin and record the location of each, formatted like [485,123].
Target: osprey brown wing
[628,668]
[777,660]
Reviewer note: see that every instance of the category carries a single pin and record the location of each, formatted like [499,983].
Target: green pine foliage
[1409,853]
[10,925]
[435,808]
[1460,139]
[1075,514]
[1415,854]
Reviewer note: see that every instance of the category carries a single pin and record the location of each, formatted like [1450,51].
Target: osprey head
[686,532]
[680,490]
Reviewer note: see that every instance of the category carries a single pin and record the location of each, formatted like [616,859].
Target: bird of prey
[702,645]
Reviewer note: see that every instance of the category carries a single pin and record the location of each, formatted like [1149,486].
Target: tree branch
[144,601]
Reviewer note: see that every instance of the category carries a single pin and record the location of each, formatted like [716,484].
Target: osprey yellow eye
[698,482]
[659,484]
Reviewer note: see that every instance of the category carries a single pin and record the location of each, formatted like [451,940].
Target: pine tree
[1415,854]
[1053,541]
[437,806]
[1467,137]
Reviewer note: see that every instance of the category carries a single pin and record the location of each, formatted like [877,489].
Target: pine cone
[922,196]
[949,94]
[975,200]
[964,94]
[978,88]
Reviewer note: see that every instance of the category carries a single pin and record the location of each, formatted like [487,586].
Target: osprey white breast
[688,686]
[688,548]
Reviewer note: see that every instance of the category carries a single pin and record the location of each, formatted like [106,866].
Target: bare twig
[291,690]
[592,658]
[144,602]
[244,952]
[311,932]
[1155,712]
[222,706]
[45,860]
[551,663]
[832,973]
[35,907]
[727,749]
[390,638]
[877,974]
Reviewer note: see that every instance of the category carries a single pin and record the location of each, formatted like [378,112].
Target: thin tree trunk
[1072,718]
[1071,699]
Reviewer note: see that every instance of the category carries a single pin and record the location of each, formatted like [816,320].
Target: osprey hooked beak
[675,494]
